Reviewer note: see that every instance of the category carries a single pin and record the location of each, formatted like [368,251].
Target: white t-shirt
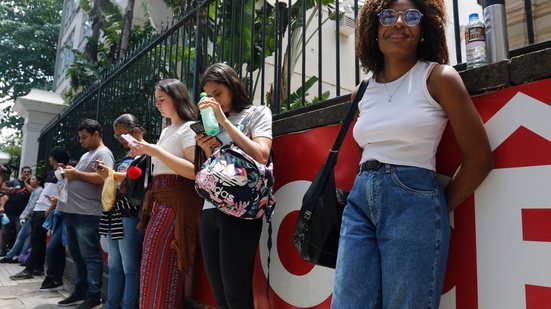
[406,130]
[260,125]
[173,139]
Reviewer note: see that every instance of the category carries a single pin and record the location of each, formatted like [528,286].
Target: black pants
[229,246]
[38,242]
[9,233]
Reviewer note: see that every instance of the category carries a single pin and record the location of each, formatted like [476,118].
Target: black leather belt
[369,165]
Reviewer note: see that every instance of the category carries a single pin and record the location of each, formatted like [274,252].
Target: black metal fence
[287,56]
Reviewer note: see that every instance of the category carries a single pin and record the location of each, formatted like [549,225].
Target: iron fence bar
[457,30]
[232,32]
[337,49]
[241,42]
[287,83]
[320,50]
[250,66]
[223,43]
[277,59]
[177,47]
[198,56]
[303,58]
[214,43]
[263,65]
[529,21]
[356,62]
[98,102]
[181,34]
[189,42]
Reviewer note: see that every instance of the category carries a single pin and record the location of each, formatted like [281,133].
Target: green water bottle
[209,120]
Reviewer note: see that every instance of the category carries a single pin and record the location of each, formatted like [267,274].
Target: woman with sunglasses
[124,241]
[395,231]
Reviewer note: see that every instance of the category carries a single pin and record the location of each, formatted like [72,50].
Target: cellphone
[198,128]
[129,138]
[95,164]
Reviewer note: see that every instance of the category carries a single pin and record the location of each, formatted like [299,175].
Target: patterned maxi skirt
[161,284]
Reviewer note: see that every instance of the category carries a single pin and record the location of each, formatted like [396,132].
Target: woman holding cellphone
[172,208]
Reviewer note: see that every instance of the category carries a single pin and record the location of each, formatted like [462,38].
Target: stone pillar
[38,108]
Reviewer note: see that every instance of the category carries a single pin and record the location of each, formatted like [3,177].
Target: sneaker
[90,303]
[72,300]
[51,286]
[24,274]
[9,260]
[38,272]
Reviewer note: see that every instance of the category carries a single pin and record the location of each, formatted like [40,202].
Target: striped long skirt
[161,284]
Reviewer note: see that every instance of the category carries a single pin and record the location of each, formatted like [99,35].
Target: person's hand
[102,170]
[218,112]
[143,147]
[70,172]
[207,142]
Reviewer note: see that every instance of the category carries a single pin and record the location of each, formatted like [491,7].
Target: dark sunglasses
[410,17]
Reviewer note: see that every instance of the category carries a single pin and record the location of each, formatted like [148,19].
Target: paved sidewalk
[24,294]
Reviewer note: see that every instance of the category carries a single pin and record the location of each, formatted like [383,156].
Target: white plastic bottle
[209,120]
[475,42]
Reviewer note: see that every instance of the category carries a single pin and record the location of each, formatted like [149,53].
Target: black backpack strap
[269,243]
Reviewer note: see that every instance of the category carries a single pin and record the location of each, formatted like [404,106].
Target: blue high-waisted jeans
[394,241]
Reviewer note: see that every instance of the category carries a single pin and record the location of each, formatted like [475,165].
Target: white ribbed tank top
[406,130]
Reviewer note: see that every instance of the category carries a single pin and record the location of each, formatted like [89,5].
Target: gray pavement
[23,294]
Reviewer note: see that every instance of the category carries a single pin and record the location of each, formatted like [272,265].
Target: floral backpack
[237,184]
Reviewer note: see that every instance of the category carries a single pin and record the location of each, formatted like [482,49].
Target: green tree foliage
[102,49]
[13,148]
[29,31]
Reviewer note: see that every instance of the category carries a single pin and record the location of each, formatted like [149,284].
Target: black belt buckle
[369,165]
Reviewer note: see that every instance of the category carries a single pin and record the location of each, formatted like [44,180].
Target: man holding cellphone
[82,213]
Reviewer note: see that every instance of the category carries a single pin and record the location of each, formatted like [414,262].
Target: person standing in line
[395,230]
[119,224]
[229,244]
[35,215]
[23,241]
[55,249]
[17,198]
[81,215]
[172,208]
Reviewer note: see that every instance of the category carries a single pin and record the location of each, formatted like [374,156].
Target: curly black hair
[432,48]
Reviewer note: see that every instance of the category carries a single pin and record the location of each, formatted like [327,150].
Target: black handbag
[316,234]
[136,188]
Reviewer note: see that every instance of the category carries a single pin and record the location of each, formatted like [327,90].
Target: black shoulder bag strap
[350,116]
[334,152]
